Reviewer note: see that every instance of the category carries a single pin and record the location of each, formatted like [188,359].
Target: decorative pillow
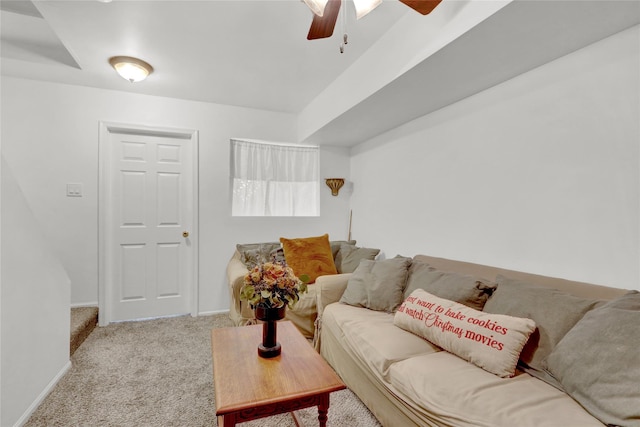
[554,312]
[349,256]
[492,342]
[598,361]
[468,290]
[377,285]
[311,256]
[336,244]
[277,255]
[252,254]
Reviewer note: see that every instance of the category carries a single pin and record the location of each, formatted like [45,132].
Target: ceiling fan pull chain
[343,7]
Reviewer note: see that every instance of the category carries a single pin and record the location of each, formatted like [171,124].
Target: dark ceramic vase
[270,347]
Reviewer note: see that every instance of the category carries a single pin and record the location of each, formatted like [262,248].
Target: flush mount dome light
[130,68]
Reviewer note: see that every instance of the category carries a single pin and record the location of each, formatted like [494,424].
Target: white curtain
[274,180]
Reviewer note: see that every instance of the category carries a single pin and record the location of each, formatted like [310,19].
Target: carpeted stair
[83,321]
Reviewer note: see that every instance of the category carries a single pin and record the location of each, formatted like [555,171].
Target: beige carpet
[83,322]
[158,373]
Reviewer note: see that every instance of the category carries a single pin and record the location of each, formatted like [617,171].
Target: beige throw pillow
[492,342]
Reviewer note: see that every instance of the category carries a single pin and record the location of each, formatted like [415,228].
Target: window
[274,179]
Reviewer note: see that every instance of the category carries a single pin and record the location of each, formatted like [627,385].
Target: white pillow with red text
[490,341]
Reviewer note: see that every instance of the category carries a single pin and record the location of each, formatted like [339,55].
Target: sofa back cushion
[377,285]
[580,289]
[349,256]
[469,290]
[337,244]
[554,312]
[491,341]
[598,361]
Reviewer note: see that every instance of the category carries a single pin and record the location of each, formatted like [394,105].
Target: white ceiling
[255,53]
[519,37]
[245,53]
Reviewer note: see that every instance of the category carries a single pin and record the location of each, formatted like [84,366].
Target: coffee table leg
[226,420]
[323,409]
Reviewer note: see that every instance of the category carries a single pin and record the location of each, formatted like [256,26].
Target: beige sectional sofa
[406,380]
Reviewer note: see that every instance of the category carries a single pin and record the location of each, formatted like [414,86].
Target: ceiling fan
[326,13]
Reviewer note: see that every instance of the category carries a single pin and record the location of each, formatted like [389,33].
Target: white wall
[50,136]
[35,309]
[1,171]
[538,174]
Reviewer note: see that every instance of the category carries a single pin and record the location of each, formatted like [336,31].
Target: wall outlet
[74,190]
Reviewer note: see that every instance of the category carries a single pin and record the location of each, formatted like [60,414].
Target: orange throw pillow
[311,256]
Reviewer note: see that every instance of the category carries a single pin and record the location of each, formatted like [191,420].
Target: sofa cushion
[468,290]
[304,312]
[336,244]
[490,341]
[310,255]
[252,254]
[373,337]
[554,312]
[377,285]
[598,361]
[349,256]
[457,393]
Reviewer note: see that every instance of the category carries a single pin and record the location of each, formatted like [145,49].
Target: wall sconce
[130,68]
[335,184]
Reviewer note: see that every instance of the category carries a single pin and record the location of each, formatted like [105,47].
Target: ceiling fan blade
[422,6]
[322,26]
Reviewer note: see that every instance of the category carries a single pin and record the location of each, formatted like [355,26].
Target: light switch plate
[74,190]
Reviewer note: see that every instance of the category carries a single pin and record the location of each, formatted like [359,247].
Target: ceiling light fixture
[365,6]
[130,68]
[327,11]
[316,6]
[362,6]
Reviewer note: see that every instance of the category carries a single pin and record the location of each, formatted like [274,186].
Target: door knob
[185,234]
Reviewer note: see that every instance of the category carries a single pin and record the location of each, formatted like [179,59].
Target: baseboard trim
[84,304]
[30,410]
[212,312]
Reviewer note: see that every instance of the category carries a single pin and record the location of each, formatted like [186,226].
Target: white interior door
[149,236]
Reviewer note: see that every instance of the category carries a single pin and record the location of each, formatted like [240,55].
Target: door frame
[104,195]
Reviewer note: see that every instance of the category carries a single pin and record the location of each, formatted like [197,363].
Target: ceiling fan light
[316,6]
[130,68]
[363,7]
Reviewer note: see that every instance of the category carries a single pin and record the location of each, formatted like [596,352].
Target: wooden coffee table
[248,386]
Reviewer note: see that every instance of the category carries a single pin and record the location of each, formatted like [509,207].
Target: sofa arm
[236,271]
[329,290]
